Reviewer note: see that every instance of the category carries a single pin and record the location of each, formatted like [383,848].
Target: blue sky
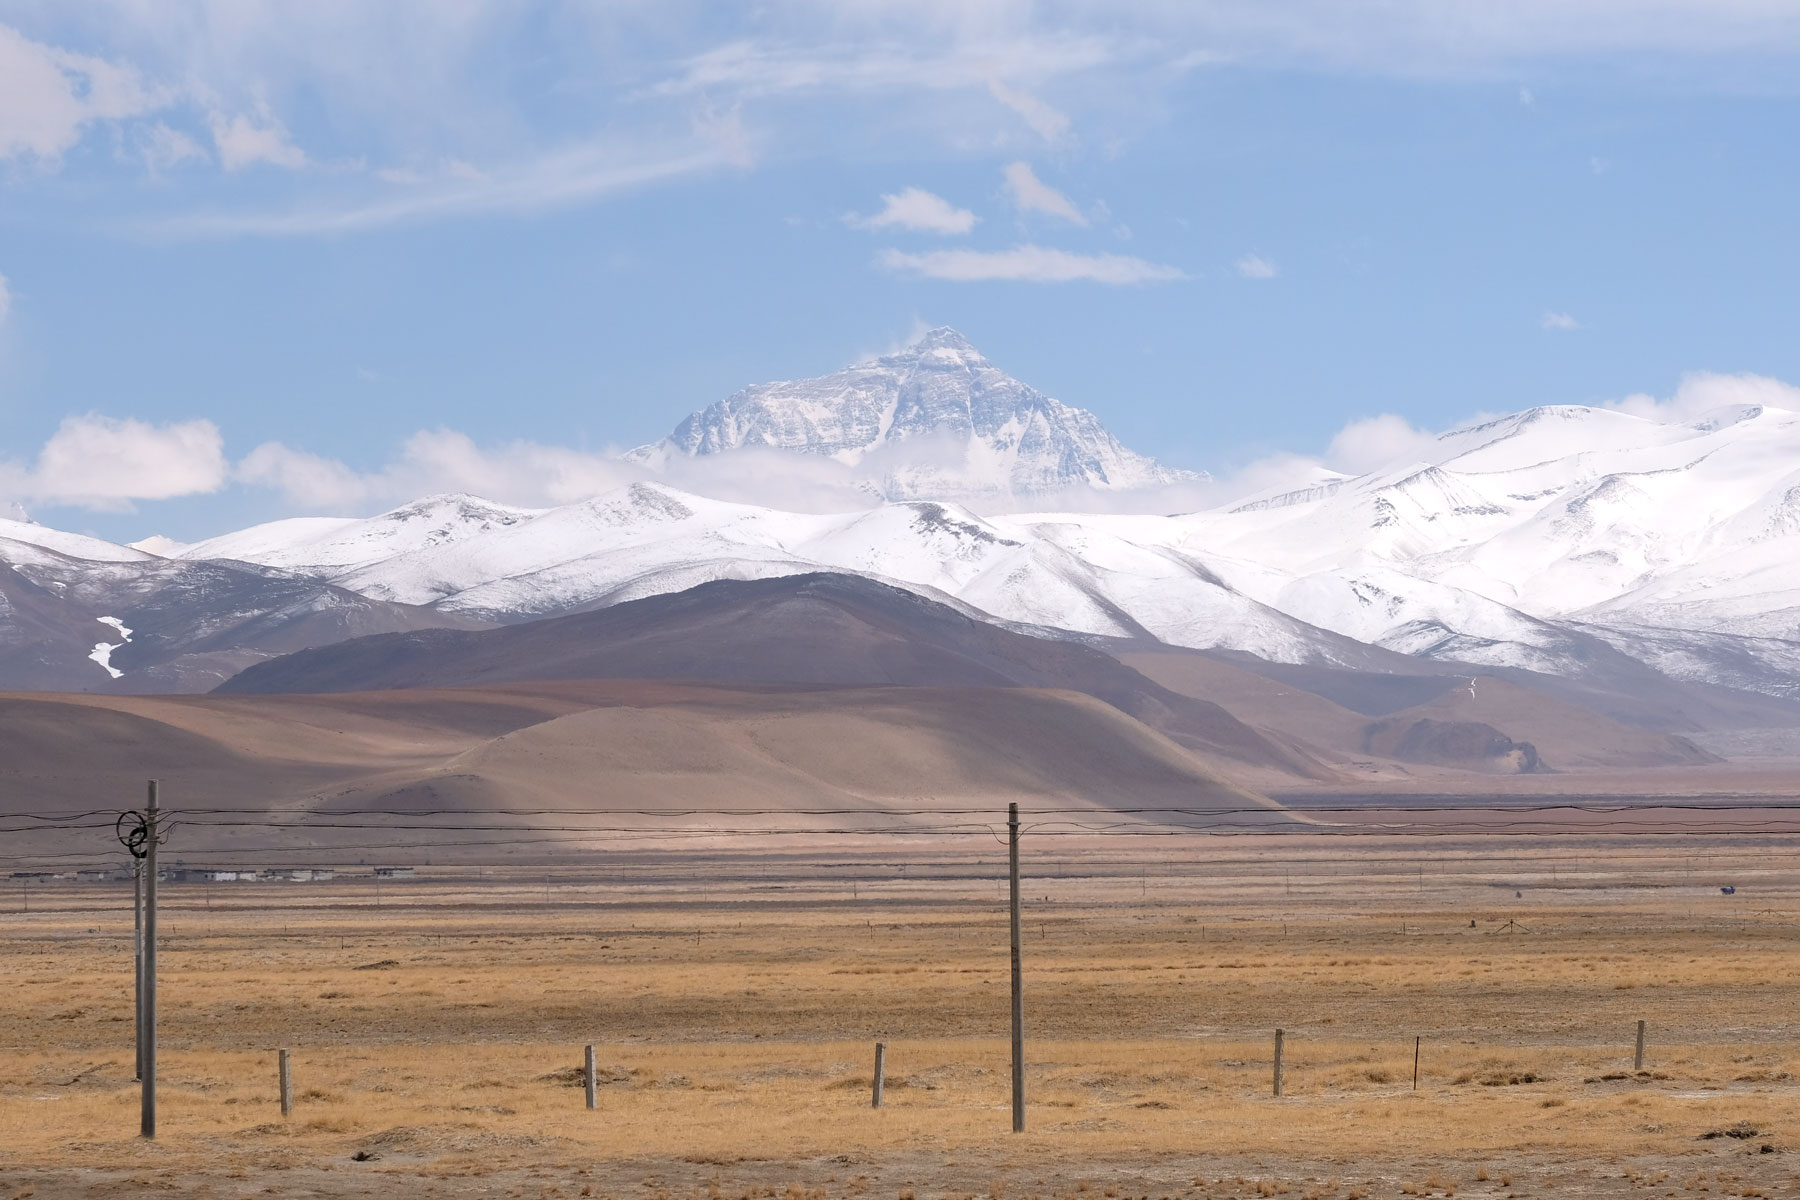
[269,258]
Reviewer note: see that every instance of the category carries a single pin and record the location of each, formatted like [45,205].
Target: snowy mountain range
[1576,542]
[936,420]
[81,614]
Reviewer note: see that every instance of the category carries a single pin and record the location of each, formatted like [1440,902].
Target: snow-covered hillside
[1543,540]
[936,420]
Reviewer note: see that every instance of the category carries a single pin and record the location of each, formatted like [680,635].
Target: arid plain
[436,1023]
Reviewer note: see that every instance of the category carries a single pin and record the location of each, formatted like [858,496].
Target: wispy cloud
[1047,122]
[1255,266]
[1028,264]
[5,300]
[555,180]
[163,148]
[1558,322]
[918,210]
[1032,194]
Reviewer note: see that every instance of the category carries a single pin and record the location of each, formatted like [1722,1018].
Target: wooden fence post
[1416,1042]
[1280,1039]
[880,1071]
[1637,1062]
[287,1082]
[590,1078]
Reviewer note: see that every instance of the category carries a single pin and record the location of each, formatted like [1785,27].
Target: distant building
[395,872]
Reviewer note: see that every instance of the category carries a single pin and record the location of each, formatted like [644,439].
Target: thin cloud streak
[1028,264]
[555,181]
[763,67]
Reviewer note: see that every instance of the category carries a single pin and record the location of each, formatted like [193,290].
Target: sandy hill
[481,755]
[805,630]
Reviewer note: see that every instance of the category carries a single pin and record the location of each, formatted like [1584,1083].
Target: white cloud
[1032,194]
[48,97]
[1370,443]
[1526,99]
[1044,120]
[1254,266]
[308,480]
[437,460]
[1559,322]
[106,463]
[534,474]
[5,300]
[1028,264]
[916,209]
[1701,392]
[243,142]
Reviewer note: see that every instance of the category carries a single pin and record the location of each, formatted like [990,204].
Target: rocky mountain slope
[79,614]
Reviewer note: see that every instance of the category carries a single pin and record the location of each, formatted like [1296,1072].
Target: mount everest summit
[934,421]
[1573,543]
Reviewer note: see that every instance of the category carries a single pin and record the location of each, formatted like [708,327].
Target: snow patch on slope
[102,651]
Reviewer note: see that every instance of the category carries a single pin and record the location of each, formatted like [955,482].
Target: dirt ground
[437,1025]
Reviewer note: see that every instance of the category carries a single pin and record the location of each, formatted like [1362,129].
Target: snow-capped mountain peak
[936,420]
[943,345]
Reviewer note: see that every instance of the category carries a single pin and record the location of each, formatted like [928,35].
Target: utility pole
[148,1072]
[137,978]
[1018,978]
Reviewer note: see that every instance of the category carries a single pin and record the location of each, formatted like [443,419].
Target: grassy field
[436,1028]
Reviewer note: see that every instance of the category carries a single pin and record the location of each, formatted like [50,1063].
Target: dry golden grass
[435,1035]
